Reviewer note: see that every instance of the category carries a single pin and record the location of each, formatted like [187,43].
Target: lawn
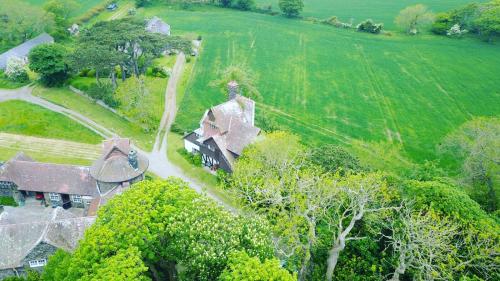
[5,83]
[358,10]
[100,115]
[23,118]
[333,85]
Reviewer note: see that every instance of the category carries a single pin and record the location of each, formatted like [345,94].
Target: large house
[225,130]
[28,235]
[74,186]
[24,49]
[28,244]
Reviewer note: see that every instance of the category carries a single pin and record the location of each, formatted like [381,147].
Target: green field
[358,10]
[23,118]
[83,5]
[334,85]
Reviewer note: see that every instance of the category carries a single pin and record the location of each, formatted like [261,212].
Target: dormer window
[37,263]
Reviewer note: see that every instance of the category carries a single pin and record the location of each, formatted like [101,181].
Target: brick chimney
[233,89]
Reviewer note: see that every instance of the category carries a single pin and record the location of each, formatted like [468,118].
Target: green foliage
[333,159]
[413,18]
[57,266]
[103,91]
[245,5]
[156,225]
[30,276]
[193,158]
[242,267]
[20,21]
[50,61]
[7,201]
[370,27]
[488,23]
[291,8]
[142,3]
[243,75]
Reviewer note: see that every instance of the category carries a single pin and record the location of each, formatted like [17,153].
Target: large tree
[158,227]
[50,61]
[291,8]
[413,18]
[477,145]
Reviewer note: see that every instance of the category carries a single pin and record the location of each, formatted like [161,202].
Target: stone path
[158,161]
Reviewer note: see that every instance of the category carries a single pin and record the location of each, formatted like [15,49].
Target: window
[54,196]
[38,263]
[77,198]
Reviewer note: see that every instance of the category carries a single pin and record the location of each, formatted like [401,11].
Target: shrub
[193,158]
[442,24]
[103,91]
[16,70]
[160,71]
[245,5]
[370,27]
[456,31]
[7,201]
[336,22]
[91,73]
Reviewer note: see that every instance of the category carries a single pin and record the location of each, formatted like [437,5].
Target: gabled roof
[47,177]
[114,166]
[240,108]
[157,25]
[24,49]
[63,230]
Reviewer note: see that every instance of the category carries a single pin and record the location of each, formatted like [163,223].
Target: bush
[336,22]
[16,70]
[103,91]
[91,73]
[160,71]
[193,158]
[7,201]
[245,5]
[370,27]
[442,24]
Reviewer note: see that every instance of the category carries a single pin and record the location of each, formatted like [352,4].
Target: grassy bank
[23,118]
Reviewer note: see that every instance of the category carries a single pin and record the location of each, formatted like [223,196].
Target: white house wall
[190,147]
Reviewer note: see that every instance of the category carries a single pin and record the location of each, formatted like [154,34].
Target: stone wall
[41,251]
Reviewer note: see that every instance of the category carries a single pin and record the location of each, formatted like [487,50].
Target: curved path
[158,161]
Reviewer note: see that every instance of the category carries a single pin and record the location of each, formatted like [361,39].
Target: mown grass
[333,85]
[23,118]
[358,10]
[98,114]
[7,153]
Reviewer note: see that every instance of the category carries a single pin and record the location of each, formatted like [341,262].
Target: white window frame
[54,196]
[77,198]
[38,263]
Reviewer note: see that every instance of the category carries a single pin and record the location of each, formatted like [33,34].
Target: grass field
[333,85]
[358,10]
[83,6]
[110,120]
[23,118]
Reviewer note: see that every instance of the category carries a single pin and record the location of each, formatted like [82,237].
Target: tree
[142,3]
[413,18]
[16,70]
[242,267]
[50,61]
[334,159]
[370,27]
[155,227]
[21,21]
[273,177]
[291,8]
[61,9]
[477,144]
[226,3]
[488,22]
[356,197]
[423,242]
[57,267]
[243,75]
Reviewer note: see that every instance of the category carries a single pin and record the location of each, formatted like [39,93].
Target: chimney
[132,159]
[233,90]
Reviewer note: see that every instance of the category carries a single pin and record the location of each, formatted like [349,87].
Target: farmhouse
[156,25]
[74,186]
[225,130]
[23,50]
[29,244]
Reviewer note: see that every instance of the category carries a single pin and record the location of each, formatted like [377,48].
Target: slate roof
[113,165]
[23,50]
[47,177]
[157,25]
[63,230]
[230,125]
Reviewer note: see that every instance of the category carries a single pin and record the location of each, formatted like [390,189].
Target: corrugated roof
[23,50]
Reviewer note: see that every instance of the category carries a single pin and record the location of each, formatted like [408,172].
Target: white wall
[190,147]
